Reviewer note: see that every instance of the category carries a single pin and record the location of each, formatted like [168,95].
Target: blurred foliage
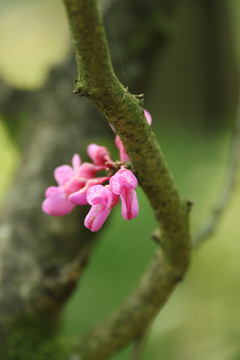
[201,318]
[33,35]
[8,158]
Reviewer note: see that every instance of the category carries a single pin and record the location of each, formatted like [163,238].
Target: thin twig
[139,344]
[230,180]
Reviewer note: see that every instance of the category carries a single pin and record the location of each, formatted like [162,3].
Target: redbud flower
[99,154]
[78,185]
[70,180]
[148,116]
[124,183]
[80,197]
[102,200]
[122,152]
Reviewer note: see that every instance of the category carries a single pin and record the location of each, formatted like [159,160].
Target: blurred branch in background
[228,189]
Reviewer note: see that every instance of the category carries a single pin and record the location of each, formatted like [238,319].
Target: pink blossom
[99,155]
[102,200]
[78,185]
[148,116]
[56,202]
[70,180]
[123,155]
[80,197]
[124,183]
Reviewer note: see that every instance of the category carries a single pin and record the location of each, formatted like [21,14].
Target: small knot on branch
[190,203]
[156,236]
[80,90]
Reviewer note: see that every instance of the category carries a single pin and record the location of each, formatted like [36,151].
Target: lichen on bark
[124,111]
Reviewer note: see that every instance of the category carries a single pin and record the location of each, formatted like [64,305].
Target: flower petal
[57,204]
[79,197]
[96,217]
[99,154]
[76,161]
[115,198]
[148,117]
[88,170]
[74,184]
[123,178]
[63,173]
[123,155]
[130,207]
[98,194]
[51,190]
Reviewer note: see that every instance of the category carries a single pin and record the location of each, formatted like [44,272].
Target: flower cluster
[79,185]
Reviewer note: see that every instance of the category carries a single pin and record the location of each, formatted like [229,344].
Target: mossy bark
[124,111]
[41,258]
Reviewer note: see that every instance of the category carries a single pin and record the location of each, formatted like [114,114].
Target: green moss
[32,340]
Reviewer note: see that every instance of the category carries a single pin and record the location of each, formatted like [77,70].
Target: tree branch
[125,113]
[97,81]
[135,315]
[40,255]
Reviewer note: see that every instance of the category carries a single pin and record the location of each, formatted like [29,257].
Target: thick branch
[134,316]
[97,81]
[125,112]
[41,257]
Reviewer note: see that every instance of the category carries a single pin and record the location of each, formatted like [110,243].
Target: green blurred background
[202,317]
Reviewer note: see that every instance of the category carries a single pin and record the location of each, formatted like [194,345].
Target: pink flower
[56,202]
[124,183]
[102,200]
[78,185]
[80,197]
[148,116]
[123,155]
[70,180]
[99,155]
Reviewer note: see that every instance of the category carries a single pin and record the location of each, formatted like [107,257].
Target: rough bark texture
[42,257]
[35,248]
[97,81]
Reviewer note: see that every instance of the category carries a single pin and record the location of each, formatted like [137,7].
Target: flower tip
[148,116]
[130,206]
[123,155]
[78,198]
[51,210]
[57,204]
[99,154]
[76,161]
